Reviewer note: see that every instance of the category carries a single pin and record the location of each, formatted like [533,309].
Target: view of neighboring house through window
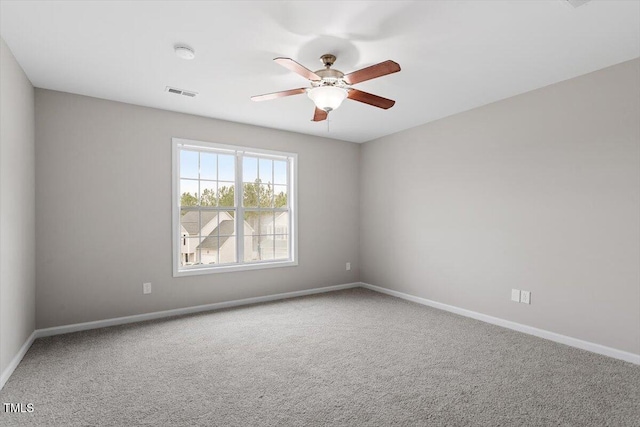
[233,207]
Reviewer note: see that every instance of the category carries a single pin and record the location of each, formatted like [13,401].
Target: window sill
[231,268]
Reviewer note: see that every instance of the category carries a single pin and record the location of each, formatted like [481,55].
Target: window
[234,208]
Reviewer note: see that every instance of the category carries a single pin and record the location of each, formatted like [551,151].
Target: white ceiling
[455,55]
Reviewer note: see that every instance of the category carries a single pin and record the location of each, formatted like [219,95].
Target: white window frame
[240,265]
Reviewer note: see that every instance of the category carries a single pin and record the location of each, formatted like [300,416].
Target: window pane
[280,196]
[216,249]
[189,223]
[208,190]
[226,196]
[209,221]
[250,195]
[281,246]
[226,167]
[189,251]
[266,196]
[279,172]
[188,192]
[261,248]
[227,252]
[265,248]
[251,254]
[266,170]
[227,225]
[259,222]
[215,223]
[251,224]
[208,167]
[188,164]
[267,222]
[281,223]
[249,169]
[208,253]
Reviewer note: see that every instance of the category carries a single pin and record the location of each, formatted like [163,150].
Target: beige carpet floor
[352,357]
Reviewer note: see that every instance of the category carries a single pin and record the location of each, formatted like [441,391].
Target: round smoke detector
[185,52]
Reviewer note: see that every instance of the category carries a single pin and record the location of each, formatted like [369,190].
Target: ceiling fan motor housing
[329,76]
[328,59]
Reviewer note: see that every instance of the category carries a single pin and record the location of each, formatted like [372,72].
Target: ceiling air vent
[576,3]
[181,92]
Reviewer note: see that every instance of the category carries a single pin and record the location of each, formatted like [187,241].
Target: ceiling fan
[329,87]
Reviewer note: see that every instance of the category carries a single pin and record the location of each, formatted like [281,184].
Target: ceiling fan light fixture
[327,98]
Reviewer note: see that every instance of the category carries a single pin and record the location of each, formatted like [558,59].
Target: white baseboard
[57,330]
[562,339]
[65,329]
[16,360]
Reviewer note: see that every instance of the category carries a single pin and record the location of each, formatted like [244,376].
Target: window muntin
[216,184]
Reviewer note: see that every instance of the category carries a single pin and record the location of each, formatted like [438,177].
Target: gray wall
[537,192]
[103,225]
[17,208]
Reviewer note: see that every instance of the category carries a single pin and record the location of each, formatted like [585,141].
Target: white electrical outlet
[146,288]
[348,266]
[515,295]
[525,297]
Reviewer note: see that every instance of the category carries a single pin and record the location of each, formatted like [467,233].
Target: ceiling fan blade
[275,95]
[368,98]
[292,65]
[378,70]
[319,115]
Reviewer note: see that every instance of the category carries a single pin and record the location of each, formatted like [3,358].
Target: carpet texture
[352,357]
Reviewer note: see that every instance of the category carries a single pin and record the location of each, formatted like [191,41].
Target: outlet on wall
[348,266]
[146,288]
[525,297]
[515,295]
